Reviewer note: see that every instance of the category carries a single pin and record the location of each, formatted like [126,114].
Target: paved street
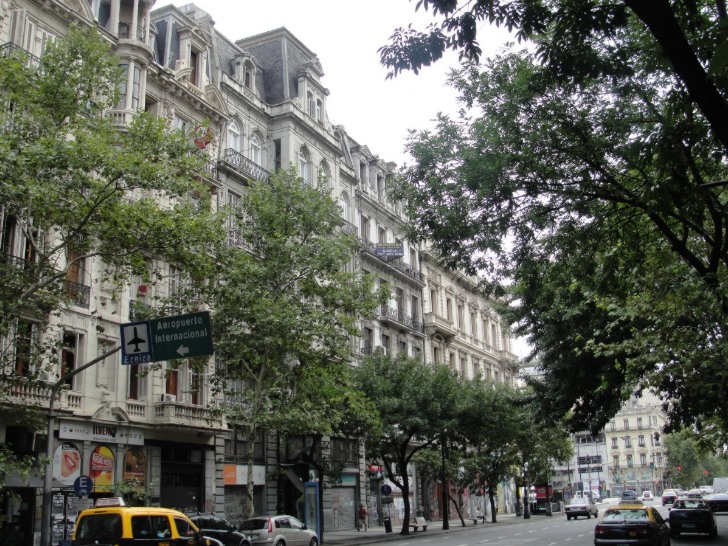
[510,530]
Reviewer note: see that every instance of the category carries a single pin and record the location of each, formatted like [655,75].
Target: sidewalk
[377,534]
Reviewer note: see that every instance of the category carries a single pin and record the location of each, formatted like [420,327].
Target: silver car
[279,530]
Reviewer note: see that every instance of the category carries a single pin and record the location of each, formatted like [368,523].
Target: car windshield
[253,524]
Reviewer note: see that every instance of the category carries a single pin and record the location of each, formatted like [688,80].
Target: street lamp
[526,497]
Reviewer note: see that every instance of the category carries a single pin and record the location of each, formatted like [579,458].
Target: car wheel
[281,543]
[568,517]
[314,542]
[713,532]
[674,534]
[588,515]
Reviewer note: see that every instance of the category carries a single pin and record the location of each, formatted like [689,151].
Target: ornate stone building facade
[264,100]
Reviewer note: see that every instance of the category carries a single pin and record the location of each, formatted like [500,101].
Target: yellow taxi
[631,523]
[137,526]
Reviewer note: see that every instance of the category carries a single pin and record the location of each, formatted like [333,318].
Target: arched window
[324,175]
[304,166]
[233,135]
[319,111]
[345,206]
[256,149]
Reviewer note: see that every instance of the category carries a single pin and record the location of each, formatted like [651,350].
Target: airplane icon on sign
[136,341]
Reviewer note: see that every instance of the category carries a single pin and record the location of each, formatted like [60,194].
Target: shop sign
[66,463]
[135,466]
[237,474]
[102,469]
[101,433]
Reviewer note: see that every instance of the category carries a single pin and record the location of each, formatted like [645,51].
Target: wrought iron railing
[402,318]
[80,294]
[8,49]
[244,166]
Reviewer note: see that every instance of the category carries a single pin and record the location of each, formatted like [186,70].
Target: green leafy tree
[689,464]
[579,42]
[417,407]
[285,309]
[75,189]
[489,424]
[597,203]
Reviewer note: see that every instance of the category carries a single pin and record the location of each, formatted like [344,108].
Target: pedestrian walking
[362,517]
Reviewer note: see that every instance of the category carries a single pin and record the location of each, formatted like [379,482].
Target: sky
[345,35]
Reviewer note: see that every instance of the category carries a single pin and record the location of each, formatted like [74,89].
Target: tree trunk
[406,502]
[492,505]
[459,512]
[250,443]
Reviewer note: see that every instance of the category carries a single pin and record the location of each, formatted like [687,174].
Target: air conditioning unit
[169,397]
[142,290]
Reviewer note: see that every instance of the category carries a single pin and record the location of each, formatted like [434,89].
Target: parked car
[692,516]
[706,489]
[221,529]
[141,526]
[279,530]
[668,496]
[631,524]
[583,506]
[718,502]
[647,495]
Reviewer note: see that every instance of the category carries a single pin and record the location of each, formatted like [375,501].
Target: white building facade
[265,103]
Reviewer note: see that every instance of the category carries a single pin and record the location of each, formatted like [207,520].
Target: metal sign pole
[45,529]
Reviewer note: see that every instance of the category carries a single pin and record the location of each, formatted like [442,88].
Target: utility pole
[45,529]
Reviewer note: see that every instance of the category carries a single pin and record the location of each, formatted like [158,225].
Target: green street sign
[183,336]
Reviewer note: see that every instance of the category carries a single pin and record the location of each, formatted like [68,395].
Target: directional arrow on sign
[182,351]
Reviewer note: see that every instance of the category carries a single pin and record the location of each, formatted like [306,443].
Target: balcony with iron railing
[79,294]
[126,32]
[348,227]
[397,265]
[398,316]
[9,49]
[242,165]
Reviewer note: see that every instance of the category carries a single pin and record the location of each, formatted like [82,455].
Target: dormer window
[194,58]
[310,105]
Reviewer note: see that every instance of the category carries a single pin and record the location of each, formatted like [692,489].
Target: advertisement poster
[66,463]
[135,465]
[101,469]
